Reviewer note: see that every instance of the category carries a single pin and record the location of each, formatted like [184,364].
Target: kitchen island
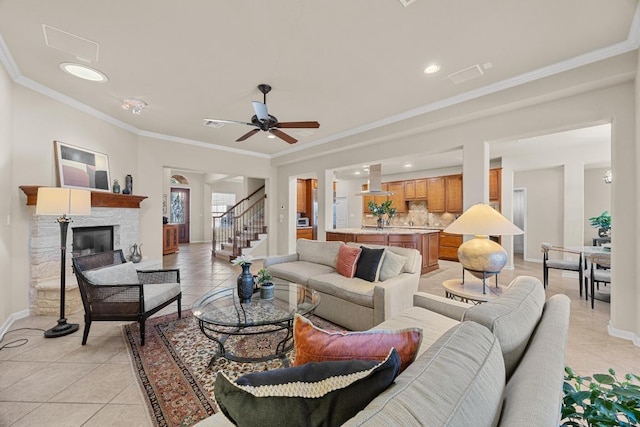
[426,241]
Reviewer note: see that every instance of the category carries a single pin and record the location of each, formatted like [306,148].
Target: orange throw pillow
[348,260]
[313,344]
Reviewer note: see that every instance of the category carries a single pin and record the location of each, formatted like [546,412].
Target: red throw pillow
[313,344]
[348,260]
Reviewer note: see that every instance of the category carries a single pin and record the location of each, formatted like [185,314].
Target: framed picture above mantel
[81,168]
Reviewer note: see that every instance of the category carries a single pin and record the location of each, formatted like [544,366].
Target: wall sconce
[135,105]
[607,177]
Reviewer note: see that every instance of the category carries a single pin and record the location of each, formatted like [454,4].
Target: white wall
[545,207]
[11,294]
[348,189]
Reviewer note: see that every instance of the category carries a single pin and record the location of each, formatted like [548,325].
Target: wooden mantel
[99,199]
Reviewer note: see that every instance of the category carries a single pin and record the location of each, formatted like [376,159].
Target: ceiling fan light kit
[263,121]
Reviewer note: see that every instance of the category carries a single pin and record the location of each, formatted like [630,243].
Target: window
[221,203]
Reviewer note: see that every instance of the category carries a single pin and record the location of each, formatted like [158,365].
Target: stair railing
[234,229]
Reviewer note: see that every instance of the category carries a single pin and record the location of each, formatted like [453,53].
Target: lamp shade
[63,201]
[483,220]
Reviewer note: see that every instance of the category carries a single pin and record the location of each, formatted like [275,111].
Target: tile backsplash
[417,216]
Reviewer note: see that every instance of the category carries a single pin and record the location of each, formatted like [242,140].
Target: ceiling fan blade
[248,135]
[213,122]
[298,125]
[283,136]
[261,110]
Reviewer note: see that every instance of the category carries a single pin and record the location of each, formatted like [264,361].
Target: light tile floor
[59,382]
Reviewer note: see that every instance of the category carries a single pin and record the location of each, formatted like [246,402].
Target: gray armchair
[113,289]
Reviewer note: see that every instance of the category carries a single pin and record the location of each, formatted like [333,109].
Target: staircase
[241,229]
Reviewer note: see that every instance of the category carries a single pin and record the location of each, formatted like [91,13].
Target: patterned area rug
[173,365]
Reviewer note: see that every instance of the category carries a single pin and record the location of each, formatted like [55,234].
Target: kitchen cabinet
[301,196]
[430,260]
[453,191]
[436,194]
[398,196]
[378,200]
[304,233]
[449,244]
[404,241]
[495,184]
[169,239]
[374,239]
[415,189]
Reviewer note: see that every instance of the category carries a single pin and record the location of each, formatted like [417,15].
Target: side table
[470,291]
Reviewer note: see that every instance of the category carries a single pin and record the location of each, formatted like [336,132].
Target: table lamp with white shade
[63,202]
[481,256]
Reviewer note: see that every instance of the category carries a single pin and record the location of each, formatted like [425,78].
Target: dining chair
[600,272]
[563,264]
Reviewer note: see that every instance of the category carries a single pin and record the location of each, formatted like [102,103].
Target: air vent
[467,74]
[212,124]
[406,3]
[83,49]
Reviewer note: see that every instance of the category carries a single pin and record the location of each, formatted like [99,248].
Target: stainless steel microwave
[303,222]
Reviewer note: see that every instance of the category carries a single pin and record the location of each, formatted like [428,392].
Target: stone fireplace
[121,212]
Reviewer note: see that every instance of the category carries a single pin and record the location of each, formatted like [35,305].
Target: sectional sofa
[498,363]
[354,303]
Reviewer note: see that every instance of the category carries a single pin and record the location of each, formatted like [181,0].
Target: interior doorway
[340,213]
[179,212]
[519,218]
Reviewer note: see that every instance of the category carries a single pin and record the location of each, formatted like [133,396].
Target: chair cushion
[313,344]
[458,381]
[392,264]
[347,260]
[298,271]
[562,264]
[124,274]
[369,264]
[158,293]
[512,318]
[315,394]
[601,275]
[325,253]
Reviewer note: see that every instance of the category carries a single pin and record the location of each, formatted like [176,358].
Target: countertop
[389,230]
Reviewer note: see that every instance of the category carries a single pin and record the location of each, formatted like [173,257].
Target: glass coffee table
[220,315]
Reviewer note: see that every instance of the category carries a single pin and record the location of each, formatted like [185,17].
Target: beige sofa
[353,303]
[499,363]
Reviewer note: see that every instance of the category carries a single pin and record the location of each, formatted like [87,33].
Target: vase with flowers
[383,212]
[245,278]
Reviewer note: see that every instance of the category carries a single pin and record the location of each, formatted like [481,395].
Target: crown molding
[197,143]
[7,60]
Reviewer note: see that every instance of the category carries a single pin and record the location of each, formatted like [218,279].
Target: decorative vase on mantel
[245,283]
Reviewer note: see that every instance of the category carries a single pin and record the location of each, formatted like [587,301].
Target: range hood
[375,183]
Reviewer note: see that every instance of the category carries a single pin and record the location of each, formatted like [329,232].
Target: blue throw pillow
[314,394]
[369,263]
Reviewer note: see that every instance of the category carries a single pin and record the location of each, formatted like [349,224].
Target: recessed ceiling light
[431,69]
[356,173]
[83,72]
[270,135]
[408,165]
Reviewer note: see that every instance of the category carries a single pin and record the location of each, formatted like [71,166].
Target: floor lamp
[63,201]
[481,256]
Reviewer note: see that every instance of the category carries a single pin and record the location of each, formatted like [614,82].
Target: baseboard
[625,335]
[12,318]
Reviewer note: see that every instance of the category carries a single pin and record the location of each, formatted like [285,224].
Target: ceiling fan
[263,121]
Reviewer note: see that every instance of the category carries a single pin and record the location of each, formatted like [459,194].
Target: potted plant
[265,284]
[379,211]
[602,223]
[603,400]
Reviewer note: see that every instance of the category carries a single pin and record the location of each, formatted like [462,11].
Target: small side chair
[562,264]
[600,272]
[112,289]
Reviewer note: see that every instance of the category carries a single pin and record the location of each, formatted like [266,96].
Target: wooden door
[180,214]
[409,190]
[301,196]
[495,182]
[421,189]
